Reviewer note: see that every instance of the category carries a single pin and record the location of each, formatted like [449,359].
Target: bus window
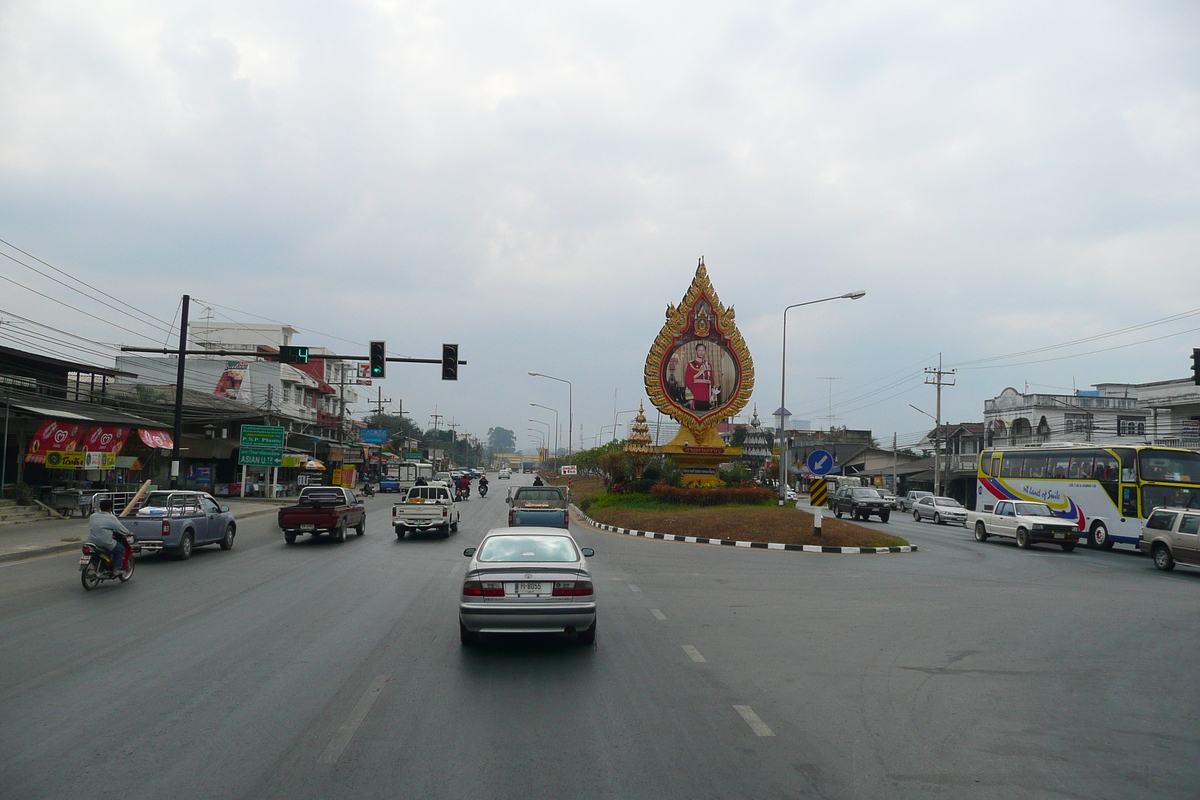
[1034,467]
[1106,468]
[1060,465]
[1081,464]
[996,465]
[1012,465]
[1128,458]
[985,465]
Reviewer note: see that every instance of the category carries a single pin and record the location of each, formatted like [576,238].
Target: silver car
[527,580]
[941,510]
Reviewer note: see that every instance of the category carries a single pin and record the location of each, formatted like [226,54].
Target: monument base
[699,457]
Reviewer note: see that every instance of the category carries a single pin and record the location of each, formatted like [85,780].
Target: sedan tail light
[572,588]
[483,589]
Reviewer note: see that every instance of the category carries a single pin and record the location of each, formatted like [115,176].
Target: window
[1106,468]
[1159,496]
[1131,426]
[1190,524]
[210,506]
[1004,509]
[1160,521]
[1013,463]
[1076,423]
[528,548]
[1081,465]
[1170,465]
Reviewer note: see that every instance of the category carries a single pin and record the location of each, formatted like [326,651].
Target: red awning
[104,439]
[154,438]
[54,435]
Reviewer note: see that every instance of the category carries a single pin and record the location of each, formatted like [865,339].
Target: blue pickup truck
[540,506]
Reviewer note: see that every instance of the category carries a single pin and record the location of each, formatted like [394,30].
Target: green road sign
[255,457]
[267,436]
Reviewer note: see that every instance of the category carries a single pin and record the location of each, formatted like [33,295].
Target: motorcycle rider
[483,485]
[101,527]
[537,480]
[464,486]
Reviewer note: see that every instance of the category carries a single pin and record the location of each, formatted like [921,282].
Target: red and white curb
[795,548]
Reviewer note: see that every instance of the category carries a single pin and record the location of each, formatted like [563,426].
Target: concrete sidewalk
[20,542]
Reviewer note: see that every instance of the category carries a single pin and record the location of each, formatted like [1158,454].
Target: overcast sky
[536,180]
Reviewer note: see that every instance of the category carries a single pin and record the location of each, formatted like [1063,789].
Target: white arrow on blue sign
[820,462]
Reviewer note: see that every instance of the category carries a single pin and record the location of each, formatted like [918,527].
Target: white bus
[1108,490]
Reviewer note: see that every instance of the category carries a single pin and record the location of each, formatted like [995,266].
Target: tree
[501,440]
[739,436]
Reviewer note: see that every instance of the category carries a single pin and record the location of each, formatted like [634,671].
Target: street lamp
[937,446]
[547,424]
[548,408]
[782,416]
[783,453]
[570,407]
[618,413]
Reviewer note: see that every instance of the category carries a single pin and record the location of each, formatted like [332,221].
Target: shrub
[715,496]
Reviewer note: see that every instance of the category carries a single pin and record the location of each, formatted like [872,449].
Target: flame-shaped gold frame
[682,321]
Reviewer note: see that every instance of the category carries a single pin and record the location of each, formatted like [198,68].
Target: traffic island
[762,527]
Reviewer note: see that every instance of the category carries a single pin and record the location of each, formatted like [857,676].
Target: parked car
[180,521]
[1172,536]
[426,508]
[538,506]
[1027,522]
[323,509]
[941,510]
[860,502]
[909,500]
[525,580]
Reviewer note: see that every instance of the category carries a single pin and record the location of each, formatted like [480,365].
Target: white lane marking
[345,733]
[694,654]
[658,615]
[454,571]
[757,725]
[633,588]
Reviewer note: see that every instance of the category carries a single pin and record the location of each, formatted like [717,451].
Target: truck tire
[227,542]
[184,551]
[446,531]
[361,527]
[339,535]
[981,534]
[454,526]
[1022,538]
[399,532]
[885,516]
[1162,558]
[837,512]
[289,537]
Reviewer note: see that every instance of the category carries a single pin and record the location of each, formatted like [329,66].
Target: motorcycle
[368,490]
[95,565]
[483,490]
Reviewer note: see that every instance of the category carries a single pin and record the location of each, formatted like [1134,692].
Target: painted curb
[54,549]
[792,548]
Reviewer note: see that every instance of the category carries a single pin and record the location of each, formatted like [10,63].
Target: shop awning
[153,438]
[105,439]
[55,435]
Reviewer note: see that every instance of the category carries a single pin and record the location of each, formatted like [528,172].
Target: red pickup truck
[323,509]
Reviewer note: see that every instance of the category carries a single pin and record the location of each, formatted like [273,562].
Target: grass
[785,525]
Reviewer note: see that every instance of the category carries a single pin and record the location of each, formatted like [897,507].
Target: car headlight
[1037,526]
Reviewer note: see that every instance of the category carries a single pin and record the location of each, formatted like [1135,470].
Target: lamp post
[570,407]
[783,453]
[547,424]
[618,413]
[548,408]
[937,446]
[782,415]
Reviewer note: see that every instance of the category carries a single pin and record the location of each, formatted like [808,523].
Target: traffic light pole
[275,356]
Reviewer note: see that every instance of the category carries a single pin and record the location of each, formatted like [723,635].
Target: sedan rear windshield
[528,548]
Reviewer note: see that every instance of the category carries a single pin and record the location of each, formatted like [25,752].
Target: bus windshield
[1175,466]
[1169,497]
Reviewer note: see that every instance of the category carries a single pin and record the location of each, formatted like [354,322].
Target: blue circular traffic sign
[820,462]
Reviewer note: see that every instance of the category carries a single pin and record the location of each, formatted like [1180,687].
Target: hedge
[715,496]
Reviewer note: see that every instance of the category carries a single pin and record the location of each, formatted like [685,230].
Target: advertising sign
[337,477]
[268,436]
[65,459]
[374,435]
[569,469]
[99,460]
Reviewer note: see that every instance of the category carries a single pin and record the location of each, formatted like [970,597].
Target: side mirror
[508,500]
[224,509]
[470,551]
[588,552]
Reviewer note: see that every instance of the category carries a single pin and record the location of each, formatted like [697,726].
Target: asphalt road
[321,670]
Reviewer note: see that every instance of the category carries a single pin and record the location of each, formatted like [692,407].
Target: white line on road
[694,654]
[757,725]
[658,615]
[453,571]
[633,588]
[345,733]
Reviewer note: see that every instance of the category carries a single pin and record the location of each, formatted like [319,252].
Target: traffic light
[378,360]
[1196,366]
[289,354]
[449,362]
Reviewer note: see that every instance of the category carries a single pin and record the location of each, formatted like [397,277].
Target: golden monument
[699,373]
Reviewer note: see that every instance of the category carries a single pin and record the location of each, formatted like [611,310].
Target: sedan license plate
[534,588]
[1060,536]
[307,527]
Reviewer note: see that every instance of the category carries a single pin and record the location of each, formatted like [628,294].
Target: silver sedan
[941,510]
[527,580]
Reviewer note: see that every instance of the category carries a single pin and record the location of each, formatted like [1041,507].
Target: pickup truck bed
[323,509]
[539,506]
[426,508]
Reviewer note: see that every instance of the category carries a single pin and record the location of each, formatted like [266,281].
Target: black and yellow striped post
[818,492]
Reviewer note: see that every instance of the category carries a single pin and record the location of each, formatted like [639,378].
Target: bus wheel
[1100,537]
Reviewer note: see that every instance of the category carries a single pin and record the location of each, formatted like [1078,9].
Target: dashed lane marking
[757,725]
[345,733]
[658,615]
[694,654]
[633,588]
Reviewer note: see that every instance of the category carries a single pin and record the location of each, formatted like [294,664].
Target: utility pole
[436,419]
[895,484]
[939,381]
[177,430]
[453,426]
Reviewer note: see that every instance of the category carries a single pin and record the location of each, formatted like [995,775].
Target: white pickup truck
[1027,522]
[426,508]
